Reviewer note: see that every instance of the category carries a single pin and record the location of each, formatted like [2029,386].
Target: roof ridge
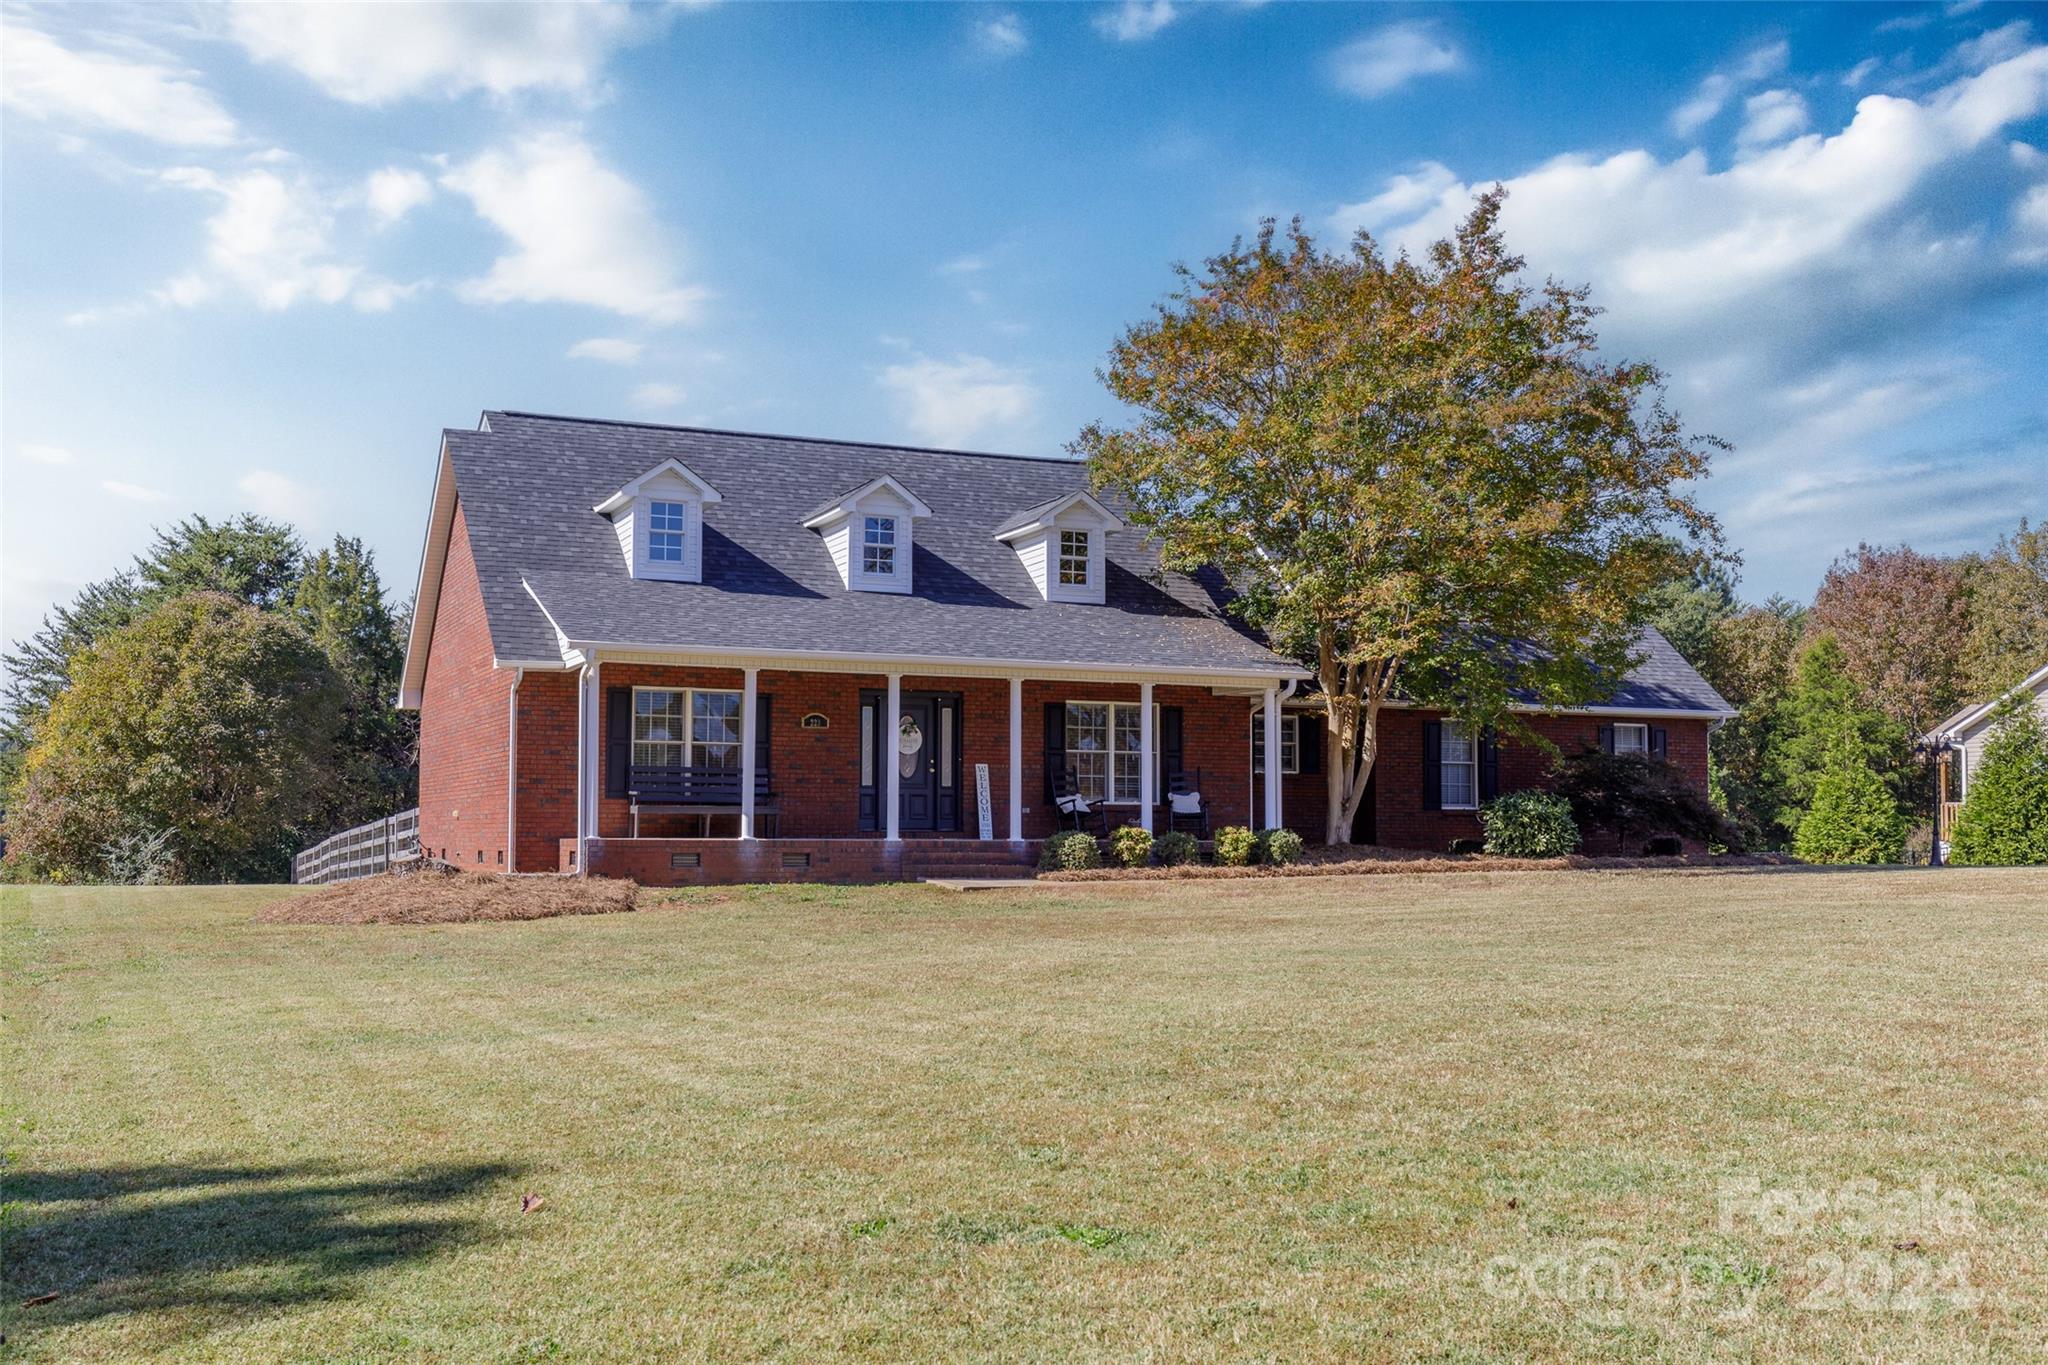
[781,436]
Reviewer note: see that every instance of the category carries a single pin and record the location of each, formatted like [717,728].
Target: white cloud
[394,192]
[1785,293]
[1403,196]
[43,454]
[44,80]
[1861,72]
[1713,93]
[1001,35]
[581,232]
[1771,117]
[373,54]
[1134,21]
[964,265]
[276,495]
[611,350]
[133,492]
[657,396]
[272,240]
[950,403]
[1382,62]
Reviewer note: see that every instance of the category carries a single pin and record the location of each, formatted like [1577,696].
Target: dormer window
[1074,559]
[659,519]
[878,547]
[1062,545]
[665,532]
[869,533]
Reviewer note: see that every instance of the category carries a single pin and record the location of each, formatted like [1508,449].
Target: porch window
[1074,558]
[1102,750]
[686,728]
[1290,744]
[665,532]
[1632,739]
[867,746]
[1459,762]
[878,547]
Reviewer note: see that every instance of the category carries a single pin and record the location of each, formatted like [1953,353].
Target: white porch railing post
[1146,794]
[747,724]
[1016,760]
[892,783]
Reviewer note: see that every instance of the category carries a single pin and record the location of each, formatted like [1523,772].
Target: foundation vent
[795,862]
[679,861]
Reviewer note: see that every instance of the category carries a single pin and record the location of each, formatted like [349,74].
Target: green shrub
[1131,846]
[2004,821]
[1279,847]
[1177,846]
[1638,796]
[1529,824]
[1235,845]
[1071,851]
[1853,817]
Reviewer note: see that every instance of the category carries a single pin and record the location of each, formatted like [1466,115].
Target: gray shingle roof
[528,482]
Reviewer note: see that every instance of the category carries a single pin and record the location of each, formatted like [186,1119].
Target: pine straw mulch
[434,893]
[1368,860]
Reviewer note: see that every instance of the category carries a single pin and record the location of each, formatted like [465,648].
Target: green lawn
[1338,1118]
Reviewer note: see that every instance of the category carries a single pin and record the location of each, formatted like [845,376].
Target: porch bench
[696,791]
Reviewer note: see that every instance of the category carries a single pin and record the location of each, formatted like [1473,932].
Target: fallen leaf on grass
[529,1202]
[38,1300]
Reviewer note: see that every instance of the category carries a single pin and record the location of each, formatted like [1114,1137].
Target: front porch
[688,773]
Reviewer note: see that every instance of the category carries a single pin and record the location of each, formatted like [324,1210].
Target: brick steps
[966,861]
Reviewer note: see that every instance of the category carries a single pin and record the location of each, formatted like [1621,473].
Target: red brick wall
[1401,822]
[816,773]
[463,723]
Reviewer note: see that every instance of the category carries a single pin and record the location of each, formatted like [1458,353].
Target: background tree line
[1833,697]
[206,712]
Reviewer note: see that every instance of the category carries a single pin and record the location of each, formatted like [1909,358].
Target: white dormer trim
[632,511]
[843,525]
[1039,540]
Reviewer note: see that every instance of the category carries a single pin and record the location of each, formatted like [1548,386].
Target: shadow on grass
[206,1242]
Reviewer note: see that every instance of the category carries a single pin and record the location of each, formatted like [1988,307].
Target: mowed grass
[1373,1118]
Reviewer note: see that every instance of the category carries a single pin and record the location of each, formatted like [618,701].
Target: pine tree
[1823,702]
[1852,818]
[2004,822]
[339,599]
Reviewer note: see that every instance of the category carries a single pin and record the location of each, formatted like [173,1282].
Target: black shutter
[1308,743]
[762,746]
[1432,765]
[1657,741]
[618,735]
[1170,746]
[1055,746]
[1489,765]
[1607,739]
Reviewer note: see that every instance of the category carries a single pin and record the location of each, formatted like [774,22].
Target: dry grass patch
[436,894]
[1368,860]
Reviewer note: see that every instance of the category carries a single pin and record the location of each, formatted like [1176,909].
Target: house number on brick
[816,720]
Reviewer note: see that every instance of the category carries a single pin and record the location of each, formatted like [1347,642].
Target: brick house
[685,655]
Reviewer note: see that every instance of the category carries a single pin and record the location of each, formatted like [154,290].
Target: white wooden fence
[361,852]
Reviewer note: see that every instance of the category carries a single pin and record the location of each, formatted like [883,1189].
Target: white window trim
[689,741]
[894,543]
[1290,743]
[681,533]
[1086,558]
[1452,729]
[1158,757]
[1635,727]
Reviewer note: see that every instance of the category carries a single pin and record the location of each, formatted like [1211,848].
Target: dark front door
[924,745]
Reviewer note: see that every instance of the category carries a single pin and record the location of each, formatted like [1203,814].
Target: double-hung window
[1103,759]
[1290,744]
[665,532]
[1458,763]
[1632,739]
[878,547]
[1074,558]
[686,728]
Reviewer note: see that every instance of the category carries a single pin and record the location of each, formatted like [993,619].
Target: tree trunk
[1349,754]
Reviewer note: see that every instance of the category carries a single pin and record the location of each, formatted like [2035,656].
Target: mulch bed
[433,893]
[1366,860]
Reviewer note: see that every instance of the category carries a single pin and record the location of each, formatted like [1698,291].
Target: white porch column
[589,733]
[1272,722]
[1016,760]
[892,780]
[747,724]
[1146,795]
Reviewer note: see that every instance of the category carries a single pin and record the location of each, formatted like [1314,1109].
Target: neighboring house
[688,655]
[1959,744]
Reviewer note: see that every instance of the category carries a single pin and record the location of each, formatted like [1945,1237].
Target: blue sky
[255,257]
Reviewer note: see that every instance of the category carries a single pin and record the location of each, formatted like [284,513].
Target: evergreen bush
[1070,851]
[1853,817]
[1131,846]
[1235,845]
[1529,824]
[2004,821]
[1176,847]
